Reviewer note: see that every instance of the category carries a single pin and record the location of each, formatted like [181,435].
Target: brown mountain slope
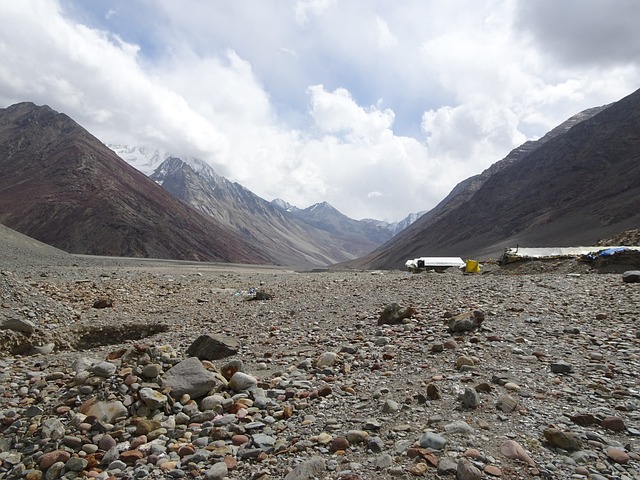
[62,186]
[573,189]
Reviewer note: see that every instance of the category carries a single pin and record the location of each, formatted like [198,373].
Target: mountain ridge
[60,185]
[517,200]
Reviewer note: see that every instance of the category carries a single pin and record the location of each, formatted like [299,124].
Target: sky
[378,107]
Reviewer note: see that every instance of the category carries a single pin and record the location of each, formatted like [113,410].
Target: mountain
[577,184]
[286,233]
[62,186]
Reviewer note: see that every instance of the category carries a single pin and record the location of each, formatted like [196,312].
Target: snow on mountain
[148,159]
[145,159]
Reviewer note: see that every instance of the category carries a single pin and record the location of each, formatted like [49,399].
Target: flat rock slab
[213,347]
[189,377]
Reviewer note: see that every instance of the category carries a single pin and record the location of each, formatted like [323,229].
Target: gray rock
[458,427]
[18,325]
[631,276]
[433,441]
[152,398]
[506,403]
[390,406]
[213,347]
[561,367]
[103,369]
[308,470]
[217,471]
[189,377]
[470,398]
[242,382]
[52,428]
[447,466]
[383,461]
[260,440]
[467,471]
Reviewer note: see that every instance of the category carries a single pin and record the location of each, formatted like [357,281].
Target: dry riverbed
[546,386]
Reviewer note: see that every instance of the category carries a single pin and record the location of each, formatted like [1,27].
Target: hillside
[62,186]
[578,184]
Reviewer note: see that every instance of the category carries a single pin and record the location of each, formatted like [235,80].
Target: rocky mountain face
[576,185]
[62,186]
[313,237]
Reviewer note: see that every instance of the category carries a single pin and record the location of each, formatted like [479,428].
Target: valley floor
[553,369]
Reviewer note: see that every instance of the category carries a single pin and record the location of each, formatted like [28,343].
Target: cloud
[596,34]
[377,109]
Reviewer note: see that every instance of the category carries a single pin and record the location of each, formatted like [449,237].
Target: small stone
[513,450]
[395,314]
[613,423]
[151,371]
[327,359]
[466,322]
[152,398]
[76,464]
[432,440]
[308,470]
[565,440]
[419,469]
[464,361]
[339,444]
[103,369]
[213,347]
[618,455]
[470,398]
[231,367]
[390,406]
[131,456]
[218,471]
[46,460]
[189,377]
[631,276]
[383,462]
[506,403]
[106,442]
[103,302]
[493,471]
[561,367]
[433,392]
[467,471]
[241,382]
[106,411]
[458,427]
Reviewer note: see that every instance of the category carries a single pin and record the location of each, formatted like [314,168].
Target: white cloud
[378,109]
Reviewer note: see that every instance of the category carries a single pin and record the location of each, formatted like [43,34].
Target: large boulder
[213,347]
[189,377]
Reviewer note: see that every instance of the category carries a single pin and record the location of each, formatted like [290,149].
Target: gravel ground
[546,386]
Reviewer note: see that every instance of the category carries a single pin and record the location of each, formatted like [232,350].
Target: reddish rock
[613,423]
[339,444]
[186,450]
[325,391]
[239,439]
[617,455]
[48,459]
[131,456]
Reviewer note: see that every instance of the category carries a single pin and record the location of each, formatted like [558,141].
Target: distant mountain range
[62,186]
[576,185]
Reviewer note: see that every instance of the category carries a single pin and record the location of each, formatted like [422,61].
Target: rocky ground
[516,376]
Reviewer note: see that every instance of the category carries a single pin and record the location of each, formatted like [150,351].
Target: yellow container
[472,266]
